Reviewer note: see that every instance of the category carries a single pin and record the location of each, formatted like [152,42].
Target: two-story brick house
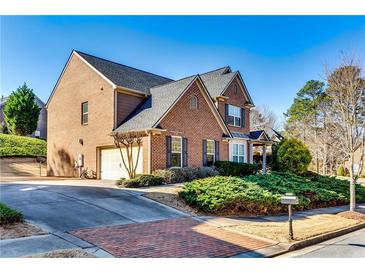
[193,121]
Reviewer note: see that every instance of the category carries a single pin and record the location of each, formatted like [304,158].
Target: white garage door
[112,167]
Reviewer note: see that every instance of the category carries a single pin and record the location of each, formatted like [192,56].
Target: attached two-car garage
[111,166]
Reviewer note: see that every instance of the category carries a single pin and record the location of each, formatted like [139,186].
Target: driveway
[62,208]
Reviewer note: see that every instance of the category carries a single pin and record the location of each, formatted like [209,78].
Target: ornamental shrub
[175,175]
[291,155]
[227,168]
[341,171]
[141,180]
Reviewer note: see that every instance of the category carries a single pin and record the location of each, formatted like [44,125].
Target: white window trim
[181,151]
[213,149]
[234,116]
[239,142]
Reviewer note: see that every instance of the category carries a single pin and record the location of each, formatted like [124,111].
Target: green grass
[260,194]
[9,216]
[12,145]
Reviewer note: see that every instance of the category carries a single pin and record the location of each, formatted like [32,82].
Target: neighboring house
[192,121]
[41,131]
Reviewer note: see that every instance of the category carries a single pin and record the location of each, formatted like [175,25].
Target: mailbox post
[290,199]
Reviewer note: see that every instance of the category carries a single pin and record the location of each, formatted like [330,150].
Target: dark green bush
[291,155]
[260,194]
[141,180]
[9,216]
[177,175]
[227,168]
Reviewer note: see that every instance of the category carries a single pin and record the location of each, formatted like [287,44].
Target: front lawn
[14,146]
[9,215]
[260,194]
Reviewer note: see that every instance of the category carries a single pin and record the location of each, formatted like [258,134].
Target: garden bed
[18,230]
[65,253]
[260,194]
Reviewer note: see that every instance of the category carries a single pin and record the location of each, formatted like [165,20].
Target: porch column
[251,153]
[264,159]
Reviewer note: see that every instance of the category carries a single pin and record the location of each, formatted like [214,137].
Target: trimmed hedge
[13,146]
[227,168]
[260,194]
[9,215]
[142,180]
[175,175]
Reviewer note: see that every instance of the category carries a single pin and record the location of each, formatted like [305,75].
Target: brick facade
[237,99]
[193,124]
[78,84]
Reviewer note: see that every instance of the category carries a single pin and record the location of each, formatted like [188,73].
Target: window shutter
[168,151]
[226,112]
[185,152]
[243,116]
[204,152]
[216,150]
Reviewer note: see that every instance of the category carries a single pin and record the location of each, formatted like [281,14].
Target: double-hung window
[210,152]
[85,113]
[176,151]
[238,153]
[234,115]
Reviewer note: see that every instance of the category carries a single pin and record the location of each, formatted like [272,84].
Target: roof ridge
[78,51]
[215,70]
[174,81]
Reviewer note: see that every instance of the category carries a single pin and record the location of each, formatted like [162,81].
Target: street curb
[316,240]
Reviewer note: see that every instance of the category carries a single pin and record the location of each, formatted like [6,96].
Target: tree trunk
[352,184]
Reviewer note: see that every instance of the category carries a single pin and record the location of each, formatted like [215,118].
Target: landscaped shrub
[291,155]
[141,180]
[12,146]
[260,194]
[341,171]
[175,175]
[9,216]
[227,168]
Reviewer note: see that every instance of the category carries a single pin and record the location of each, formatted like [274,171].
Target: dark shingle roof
[217,80]
[155,106]
[239,135]
[125,76]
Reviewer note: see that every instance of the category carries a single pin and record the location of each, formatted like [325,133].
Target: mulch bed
[352,215]
[18,230]
[65,253]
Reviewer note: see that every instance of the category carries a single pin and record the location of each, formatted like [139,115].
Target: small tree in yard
[291,155]
[21,112]
[127,141]
[346,88]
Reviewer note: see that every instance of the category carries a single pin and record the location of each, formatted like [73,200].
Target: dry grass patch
[65,253]
[170,196]
[303,229]
[18,230]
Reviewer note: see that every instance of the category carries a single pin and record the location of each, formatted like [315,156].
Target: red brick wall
[125,105]
[237,99]
[195,125]
[78,84]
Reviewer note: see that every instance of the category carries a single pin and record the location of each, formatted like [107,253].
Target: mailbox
[289,200]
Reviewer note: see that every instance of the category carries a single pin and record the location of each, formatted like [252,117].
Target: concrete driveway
[62,208]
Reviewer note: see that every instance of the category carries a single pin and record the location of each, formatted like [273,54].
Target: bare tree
[346,88]
[128,141]
[262,118]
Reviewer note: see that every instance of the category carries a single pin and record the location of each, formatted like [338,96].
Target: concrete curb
[315,240]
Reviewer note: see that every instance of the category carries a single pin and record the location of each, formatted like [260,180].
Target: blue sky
[275,54]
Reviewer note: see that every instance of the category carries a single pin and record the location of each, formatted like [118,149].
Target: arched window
[194,102]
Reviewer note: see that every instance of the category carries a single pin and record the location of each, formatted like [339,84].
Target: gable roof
[125,76]
[217,81]
[161,101]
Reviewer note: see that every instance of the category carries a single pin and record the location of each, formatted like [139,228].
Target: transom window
[234,115]
[85,113]
[176,151]
[238,153]
[210,152]
[194,102]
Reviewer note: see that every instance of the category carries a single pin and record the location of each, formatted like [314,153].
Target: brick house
[192,121]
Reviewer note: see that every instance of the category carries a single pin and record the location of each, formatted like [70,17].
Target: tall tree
[303,115]
[346,87]
[21,111]
[262,118]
